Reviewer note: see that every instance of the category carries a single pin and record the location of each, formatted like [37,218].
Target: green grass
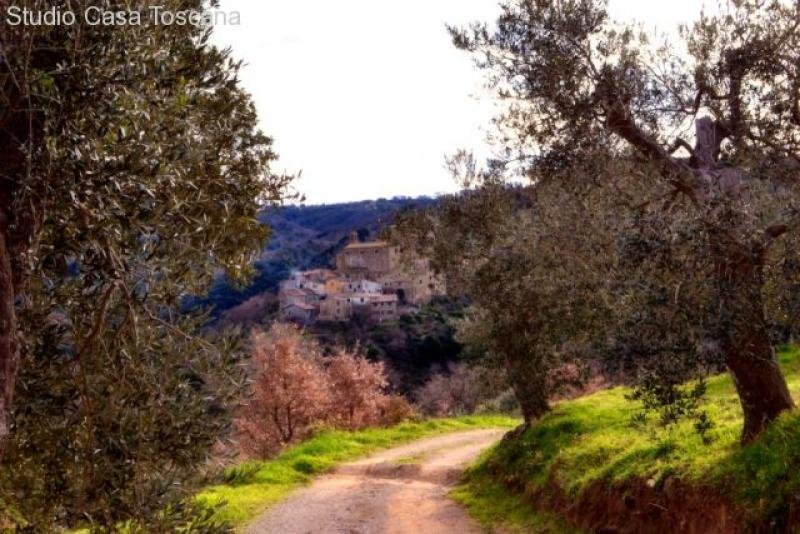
[594,439]
[252,487]
[494,506]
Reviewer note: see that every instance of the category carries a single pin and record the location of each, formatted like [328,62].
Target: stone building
[342,308]
[371,279]
[367,260]
[335,308]
[299,296]
[399,272]
[300,313]
[384,308]
[363,286]
[316,280]
[414,283]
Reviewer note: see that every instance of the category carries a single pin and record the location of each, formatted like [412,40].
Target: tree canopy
[705,131]
[132,170]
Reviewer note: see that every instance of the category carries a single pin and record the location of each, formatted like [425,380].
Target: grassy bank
[251,487]
[493,505]
[593,441]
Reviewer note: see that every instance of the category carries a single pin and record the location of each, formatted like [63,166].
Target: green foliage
[157,405]
[505,402]
[144,174]
[184,517]
[698,149]
[497,508]
[524,257]
[251,487]
[413,346]
[591,439]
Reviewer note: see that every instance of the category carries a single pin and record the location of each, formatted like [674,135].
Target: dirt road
[399,491]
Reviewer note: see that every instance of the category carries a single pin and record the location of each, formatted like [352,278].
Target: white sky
[365,97]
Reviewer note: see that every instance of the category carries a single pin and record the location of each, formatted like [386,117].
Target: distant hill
[308,237]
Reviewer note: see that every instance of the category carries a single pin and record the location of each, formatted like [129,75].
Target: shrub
[251,311]
[396,409]
[294,390]
[505,403]
[460,390]
[357,390]
[289,394]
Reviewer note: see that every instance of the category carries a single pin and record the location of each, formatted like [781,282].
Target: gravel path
[398,491]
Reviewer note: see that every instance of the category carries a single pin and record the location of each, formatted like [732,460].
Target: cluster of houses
[374,280]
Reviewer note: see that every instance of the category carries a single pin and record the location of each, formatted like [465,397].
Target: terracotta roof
[313,292]
[294,292]
[321,274]
[301,305]
[369,244]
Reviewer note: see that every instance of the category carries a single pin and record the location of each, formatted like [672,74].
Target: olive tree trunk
[739,275]
[9,346]
[749,355]
[530,387]
[762,389]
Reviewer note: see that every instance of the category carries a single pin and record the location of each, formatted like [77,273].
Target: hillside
[307,237]
[415,346]
[590,463]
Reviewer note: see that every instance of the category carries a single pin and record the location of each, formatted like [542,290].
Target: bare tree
[290,392]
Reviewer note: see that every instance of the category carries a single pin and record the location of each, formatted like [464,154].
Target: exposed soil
[399,491]
[641,507]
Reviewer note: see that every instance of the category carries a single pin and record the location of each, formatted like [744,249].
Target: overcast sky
[365,97]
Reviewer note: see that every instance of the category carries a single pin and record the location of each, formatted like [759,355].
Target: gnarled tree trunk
[749,355]
[759,381]
[746,344]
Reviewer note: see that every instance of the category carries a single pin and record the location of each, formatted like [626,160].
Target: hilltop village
[373,280]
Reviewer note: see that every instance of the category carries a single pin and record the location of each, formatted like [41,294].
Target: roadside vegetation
[294,391]
[654,245]
[252,486]
[496,507]
[598,440]
[304,413]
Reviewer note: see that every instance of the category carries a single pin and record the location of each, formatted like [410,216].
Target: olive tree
[131,170]
[526,260]
[715,117]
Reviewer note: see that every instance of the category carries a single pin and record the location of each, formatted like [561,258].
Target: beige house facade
[373,279]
